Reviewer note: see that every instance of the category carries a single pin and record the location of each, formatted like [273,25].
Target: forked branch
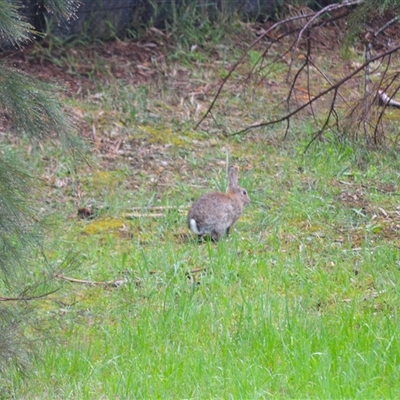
[332,88]
[311,22]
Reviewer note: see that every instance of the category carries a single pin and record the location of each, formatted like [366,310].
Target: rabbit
[214,213]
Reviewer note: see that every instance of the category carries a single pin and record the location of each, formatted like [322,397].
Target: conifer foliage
[31,108]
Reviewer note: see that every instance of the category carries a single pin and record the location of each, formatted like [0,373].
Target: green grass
[301,301]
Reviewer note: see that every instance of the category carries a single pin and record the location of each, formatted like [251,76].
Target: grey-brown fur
[215,213]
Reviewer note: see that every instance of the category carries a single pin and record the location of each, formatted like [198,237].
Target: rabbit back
[214,214]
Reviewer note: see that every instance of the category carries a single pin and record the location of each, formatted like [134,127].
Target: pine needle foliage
[32,109]
[13,28]
[62,9]
[11,340]
[19,222]
[367,10]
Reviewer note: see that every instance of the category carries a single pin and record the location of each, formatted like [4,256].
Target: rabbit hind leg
[215,235]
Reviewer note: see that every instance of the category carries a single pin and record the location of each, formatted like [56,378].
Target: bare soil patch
[131,61]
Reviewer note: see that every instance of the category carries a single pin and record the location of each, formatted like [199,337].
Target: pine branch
[28,298]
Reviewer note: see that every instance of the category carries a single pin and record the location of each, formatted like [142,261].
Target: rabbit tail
[193,227]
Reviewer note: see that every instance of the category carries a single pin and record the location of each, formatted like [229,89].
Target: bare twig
[366,119]
[242,58]
[391,102]
[313,17]
[369,38]
[320,131]
[384,27]
[197,270]
[28,298]
[326,78]
[318,96]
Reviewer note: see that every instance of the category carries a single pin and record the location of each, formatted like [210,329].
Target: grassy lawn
[300,301]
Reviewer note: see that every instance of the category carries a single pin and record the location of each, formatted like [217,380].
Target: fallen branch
[113,283]
[89,213]
[180,209]
[117,282]
[388,100]
[196,270]
[160,208]
[140,215]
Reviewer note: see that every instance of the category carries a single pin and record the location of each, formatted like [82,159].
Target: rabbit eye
[244,192]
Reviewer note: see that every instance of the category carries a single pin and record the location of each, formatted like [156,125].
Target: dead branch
[384,27]
[388,100]
[366,116]
[368,44]
[327,79]
[315,16]
[159,208]
[144,215]
[180,209]
[196,270]
[327,119]
[334,87]
[265,33]
[113,283]
[242,58]
[360,114]
[89,213]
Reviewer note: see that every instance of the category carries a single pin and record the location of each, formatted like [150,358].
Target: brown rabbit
[215,213]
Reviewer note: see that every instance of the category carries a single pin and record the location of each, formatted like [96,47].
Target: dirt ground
[123,60]
[136,62]
[78,68]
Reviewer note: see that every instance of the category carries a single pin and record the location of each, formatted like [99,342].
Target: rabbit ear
[233,177]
